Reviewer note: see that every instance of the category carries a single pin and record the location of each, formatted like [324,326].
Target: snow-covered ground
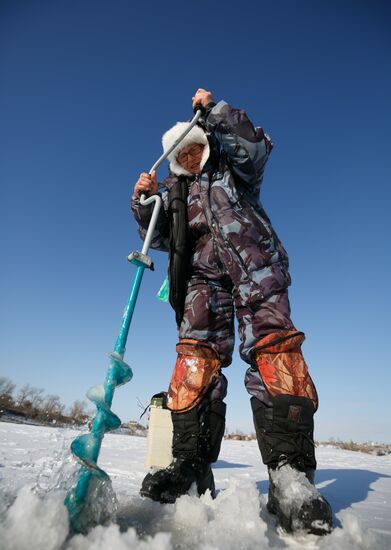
[35,466]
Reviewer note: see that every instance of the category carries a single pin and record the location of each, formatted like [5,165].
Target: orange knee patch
[282,366]
[197,365]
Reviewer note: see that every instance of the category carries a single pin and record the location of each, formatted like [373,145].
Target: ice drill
[86,447]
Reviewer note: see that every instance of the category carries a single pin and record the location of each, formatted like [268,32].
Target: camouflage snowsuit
[238,265]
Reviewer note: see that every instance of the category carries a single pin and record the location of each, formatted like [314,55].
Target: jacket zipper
[226,240]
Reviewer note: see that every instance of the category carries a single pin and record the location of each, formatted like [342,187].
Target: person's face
[190,157]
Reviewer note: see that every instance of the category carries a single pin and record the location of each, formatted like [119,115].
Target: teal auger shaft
[128,313]
[86,447]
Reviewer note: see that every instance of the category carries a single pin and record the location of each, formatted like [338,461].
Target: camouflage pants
[209,316]
[210,308]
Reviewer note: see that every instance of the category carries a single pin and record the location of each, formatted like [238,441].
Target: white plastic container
[159,442]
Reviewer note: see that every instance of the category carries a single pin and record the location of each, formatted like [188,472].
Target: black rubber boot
[175,480]
[197,436]
[285,438]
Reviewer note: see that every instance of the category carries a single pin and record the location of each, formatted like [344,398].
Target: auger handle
[152,224]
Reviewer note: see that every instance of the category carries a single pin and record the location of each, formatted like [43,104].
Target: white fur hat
[196,135]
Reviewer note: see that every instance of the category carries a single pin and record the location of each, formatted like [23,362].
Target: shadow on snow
[225,464]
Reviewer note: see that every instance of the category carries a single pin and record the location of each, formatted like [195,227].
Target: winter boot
[285,438]
[197,436]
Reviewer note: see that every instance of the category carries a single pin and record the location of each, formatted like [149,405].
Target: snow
[36,468]
[293,488]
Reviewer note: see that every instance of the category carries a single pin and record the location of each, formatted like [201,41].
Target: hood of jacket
[196,135]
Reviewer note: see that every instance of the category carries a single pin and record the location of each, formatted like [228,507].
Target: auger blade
[122,373]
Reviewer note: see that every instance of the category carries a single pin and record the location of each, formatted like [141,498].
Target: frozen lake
[35,466]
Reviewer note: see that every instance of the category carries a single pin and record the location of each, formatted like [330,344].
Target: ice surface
[36,465]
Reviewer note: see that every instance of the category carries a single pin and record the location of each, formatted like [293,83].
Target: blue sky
[88,88]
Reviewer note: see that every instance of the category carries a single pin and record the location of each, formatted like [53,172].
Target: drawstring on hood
[196,135]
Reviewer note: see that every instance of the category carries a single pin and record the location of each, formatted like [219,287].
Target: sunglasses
[192,152]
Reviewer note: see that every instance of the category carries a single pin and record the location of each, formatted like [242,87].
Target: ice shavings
[105,538]
[351,536]
[58,470]
[96,393]
[34,523]
[231,521]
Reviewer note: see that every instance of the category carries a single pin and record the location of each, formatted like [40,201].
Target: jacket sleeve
[247,147]
[142,215]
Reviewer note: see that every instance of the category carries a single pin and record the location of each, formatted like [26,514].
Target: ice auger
[86,447]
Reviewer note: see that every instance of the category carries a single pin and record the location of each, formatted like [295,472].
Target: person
[226,259]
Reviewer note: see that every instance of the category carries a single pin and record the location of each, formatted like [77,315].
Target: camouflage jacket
[230,232]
